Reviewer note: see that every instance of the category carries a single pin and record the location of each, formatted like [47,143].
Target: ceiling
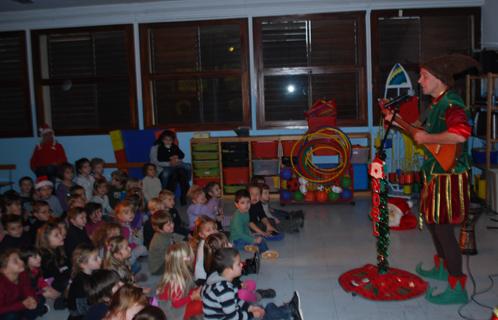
[15,5]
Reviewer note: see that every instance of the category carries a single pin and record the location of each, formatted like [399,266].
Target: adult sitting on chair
[47,155]
[167,156]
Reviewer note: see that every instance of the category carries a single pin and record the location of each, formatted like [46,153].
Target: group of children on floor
[86,255]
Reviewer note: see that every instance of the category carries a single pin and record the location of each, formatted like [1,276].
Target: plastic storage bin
[206,164]
[360,154]
[265,167]
[203,181]
[230,189]
[360,176]
[264,149]
[207,172]
[236,175]
[197,155]
[205,147]
[287,147]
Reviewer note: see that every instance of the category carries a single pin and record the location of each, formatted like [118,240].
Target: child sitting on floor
[76,233]
[101,286]
[247,288]
[215,201]
[163,238]
[294,217]
[85,261]
[117,258]
[17,297]
[97,165]
[240,233]
[32,262]
[151,184]
[126,303]
[177,293]
[15,236]
[44,189]
[100,190]
[84,177]
[258,221]
[168,199]
[94,217]
[199,206]
[65,175]
[125,214]
[220,300]
[55,265]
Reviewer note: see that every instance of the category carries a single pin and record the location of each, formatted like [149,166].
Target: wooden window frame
[360,69]
[24,84]
[376,14]
[39,82]
[147,77]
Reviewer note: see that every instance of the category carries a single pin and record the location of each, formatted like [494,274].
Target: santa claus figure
[400,216]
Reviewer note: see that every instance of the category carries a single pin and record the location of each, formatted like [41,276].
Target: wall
[18,150]
[490,24]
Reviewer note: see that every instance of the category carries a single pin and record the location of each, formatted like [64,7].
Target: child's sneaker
[266,293]
[295,307]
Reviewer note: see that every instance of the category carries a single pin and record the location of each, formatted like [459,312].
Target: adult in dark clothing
[167,157]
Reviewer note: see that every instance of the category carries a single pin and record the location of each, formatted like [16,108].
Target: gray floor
[338,238]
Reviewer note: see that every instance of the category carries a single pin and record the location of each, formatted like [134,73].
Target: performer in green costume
[445,195]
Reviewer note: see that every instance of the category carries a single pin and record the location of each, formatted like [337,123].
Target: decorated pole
[381,282]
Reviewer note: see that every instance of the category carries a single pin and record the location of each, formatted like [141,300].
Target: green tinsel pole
[383,228]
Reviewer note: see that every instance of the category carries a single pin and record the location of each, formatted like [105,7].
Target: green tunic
[436,123]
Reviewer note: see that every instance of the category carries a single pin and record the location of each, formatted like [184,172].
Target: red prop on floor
[396,284]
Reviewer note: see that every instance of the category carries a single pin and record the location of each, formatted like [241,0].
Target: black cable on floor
[475,294]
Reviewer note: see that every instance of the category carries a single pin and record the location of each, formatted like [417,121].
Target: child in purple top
[199,206]
[215,202]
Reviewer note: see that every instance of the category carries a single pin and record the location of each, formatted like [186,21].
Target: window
[301,59]
[85,79]
[195,74]
[15,111]
[416,36]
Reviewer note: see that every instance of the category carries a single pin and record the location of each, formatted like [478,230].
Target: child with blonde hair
[85,260]
[199,206]
[204,227]
[126,303]
[117,258]
[177,293]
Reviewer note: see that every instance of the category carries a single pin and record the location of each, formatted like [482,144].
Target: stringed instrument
[445,154]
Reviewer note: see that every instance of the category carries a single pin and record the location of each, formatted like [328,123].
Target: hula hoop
[326,138]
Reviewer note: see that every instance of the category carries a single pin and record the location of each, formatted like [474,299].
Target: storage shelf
[219,141]
[489,105]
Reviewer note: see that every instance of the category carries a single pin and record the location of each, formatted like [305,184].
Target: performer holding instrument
[443,132]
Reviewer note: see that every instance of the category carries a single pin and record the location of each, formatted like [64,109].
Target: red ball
[321,196]
[293,185]
[309,196]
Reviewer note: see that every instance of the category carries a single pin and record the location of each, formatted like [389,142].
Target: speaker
[489,61]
